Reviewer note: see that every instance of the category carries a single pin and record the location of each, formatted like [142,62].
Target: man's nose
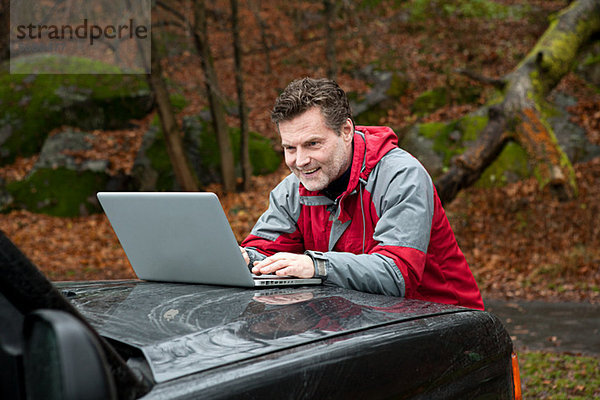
[302,158]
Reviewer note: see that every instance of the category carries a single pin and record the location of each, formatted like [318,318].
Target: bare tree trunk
[244,134]
[262,26]
[184,175]
[4,30]
[214,96]
[520,115]
[330,13]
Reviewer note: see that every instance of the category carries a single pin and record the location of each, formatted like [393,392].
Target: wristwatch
[252,259]
[320,262]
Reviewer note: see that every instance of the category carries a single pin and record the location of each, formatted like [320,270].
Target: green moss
[33,104]
[591,59]
[471,126]
[373,115]
[447,144]
[487,9]
[430,101]
[60,192]
[439,133]
[160,162]
[565,376]
[431,130]
[398,86]
[205,148]
[56,64]
[558,48]
[451,139]
[263,158]
[512,163]
[178,101]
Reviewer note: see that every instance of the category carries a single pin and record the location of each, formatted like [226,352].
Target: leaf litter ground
[521,243]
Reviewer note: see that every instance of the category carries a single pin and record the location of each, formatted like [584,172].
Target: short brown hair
[303,94]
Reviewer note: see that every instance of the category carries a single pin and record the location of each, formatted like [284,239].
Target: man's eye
[311,144]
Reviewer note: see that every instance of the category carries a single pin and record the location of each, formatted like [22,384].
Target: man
[357,210]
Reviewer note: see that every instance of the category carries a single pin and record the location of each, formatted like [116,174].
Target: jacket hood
[371,143]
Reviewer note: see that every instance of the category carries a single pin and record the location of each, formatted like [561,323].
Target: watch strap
[320,262]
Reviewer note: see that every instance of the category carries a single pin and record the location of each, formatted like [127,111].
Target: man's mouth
[309,171]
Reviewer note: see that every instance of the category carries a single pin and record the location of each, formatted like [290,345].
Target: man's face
[316,154]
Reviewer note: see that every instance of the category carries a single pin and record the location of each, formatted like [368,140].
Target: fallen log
[520,115]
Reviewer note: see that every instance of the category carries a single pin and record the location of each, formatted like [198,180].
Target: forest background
[522,242]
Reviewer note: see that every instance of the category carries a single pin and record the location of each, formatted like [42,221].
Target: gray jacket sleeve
[376,274]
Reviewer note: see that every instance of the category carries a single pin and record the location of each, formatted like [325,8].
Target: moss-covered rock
[60,192]
[33,103]
[435,144]
[61,184]
[152,169]
[429,101]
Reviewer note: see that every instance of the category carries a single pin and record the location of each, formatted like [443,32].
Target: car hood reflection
[183,329]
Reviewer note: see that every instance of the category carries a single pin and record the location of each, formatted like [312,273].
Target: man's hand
[286,264]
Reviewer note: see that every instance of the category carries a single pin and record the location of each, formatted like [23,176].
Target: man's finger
[285,271]
[271,259]
[263,267]
[274,266]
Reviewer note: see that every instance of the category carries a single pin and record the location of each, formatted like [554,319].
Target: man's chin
[312,186]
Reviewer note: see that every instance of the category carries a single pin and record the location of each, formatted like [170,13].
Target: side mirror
[63,360]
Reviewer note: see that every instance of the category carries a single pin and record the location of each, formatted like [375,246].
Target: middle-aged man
[357,211]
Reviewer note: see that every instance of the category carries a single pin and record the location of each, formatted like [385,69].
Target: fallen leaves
[519,241]
[83,248]
[522,243]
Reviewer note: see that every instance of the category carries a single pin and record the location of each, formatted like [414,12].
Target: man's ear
[348,130]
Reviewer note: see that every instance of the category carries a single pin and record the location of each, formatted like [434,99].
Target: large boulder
[33,103]
[152,168]
[59,183]
[436,143]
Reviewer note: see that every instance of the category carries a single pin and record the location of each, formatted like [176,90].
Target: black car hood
[183,329]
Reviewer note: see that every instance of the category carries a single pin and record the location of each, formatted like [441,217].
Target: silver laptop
[182,237]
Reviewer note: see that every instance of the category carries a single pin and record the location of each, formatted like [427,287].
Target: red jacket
[386,233]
